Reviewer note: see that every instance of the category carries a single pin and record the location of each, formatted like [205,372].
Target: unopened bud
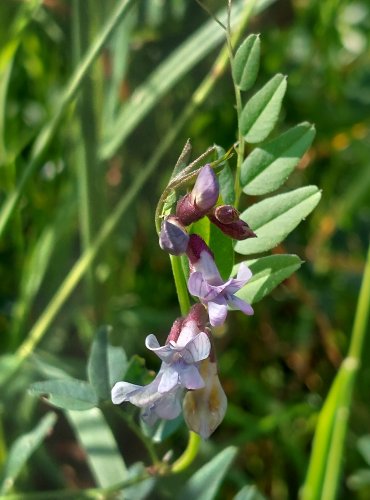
[187,212]
[237,229]
[206,190]
[195,247]
[173,237]
[226,214]
[201,199]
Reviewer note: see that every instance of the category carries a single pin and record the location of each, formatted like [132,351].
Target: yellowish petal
[204,409]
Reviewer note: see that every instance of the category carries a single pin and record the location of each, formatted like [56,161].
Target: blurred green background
[277,366]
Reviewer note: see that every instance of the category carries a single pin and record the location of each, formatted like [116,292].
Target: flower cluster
[188,372]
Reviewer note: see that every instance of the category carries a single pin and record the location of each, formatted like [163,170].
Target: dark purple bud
[226,214]
[238,229]
[173,237]
[196,245]
[201,199]
[187,212]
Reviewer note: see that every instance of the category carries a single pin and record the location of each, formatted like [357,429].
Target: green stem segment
[189,454]
[239,104]
[326,458]
[180,283]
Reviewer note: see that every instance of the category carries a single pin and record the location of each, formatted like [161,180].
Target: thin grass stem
[88,169]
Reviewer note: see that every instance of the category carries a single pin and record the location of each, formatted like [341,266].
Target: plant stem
[180,283]
[80,41]
[189,454]
[350,368]
[238,101]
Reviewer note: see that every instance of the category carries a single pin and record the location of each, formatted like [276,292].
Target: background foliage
[79,248]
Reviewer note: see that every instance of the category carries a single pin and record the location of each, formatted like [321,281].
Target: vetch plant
[188,347]
[213,249]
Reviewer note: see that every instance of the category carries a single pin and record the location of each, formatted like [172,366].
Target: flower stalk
[190,452]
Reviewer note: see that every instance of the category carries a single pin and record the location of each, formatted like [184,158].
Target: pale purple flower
[180,359]
[186,347]
[206,283]
[155,404]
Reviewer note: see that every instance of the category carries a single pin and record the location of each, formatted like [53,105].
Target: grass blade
[166,75]
[327,454]
[97,440]
[22,449]
[203,485]
[47,133]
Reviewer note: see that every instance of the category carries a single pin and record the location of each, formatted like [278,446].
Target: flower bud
[186,211]
[195,247]
[226,214]
[201,199]
[173,237]
[236,229]
[204,409]
[197,314]
[206,190]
